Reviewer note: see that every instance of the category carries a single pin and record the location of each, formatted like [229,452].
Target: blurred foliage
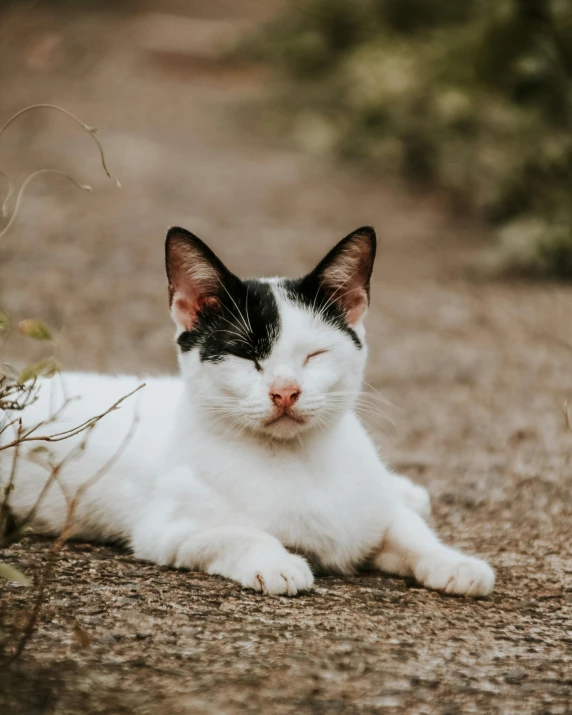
[472,96]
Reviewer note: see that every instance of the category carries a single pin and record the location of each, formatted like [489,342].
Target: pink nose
[285,395]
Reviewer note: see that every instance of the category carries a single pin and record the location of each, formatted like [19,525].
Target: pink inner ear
[184,311]
[355,306]
[185,308]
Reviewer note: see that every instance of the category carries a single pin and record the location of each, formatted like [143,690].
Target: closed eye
[236,353]
[313,355]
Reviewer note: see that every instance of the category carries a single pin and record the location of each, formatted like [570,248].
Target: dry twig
[72,504]
[92,131]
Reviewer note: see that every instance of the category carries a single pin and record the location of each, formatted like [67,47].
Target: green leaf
[4,322]
[45,368]
[35,329]
[13,574]
[40,449]
[39,455]
[10,372]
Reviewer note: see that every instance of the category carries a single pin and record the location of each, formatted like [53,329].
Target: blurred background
[271,129]
[258,125]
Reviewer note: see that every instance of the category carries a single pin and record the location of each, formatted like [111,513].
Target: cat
[253,464]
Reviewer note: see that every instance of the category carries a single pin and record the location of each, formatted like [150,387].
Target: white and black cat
[253,463]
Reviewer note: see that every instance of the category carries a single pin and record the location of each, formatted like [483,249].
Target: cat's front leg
[250,556]
[411,548]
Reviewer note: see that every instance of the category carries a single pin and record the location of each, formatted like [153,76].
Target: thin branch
[15,397]
[92,133]
[32,621]
[52,418]
[54,476]
[74,431]
[4,209]
[24,186]
[90,130]
[10,483]
[47,572]
[92,480]
[3,428]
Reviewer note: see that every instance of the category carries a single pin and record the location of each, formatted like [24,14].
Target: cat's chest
[326,503]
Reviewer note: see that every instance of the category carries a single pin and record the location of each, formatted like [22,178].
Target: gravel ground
[476,374]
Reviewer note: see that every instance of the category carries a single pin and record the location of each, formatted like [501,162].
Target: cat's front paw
[455,573]
[275,574]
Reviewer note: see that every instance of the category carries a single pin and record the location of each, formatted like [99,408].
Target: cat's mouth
[285,417]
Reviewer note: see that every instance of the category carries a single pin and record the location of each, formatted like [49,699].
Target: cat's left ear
[195,276]
[345,273]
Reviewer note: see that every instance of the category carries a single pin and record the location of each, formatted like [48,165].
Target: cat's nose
[285,395]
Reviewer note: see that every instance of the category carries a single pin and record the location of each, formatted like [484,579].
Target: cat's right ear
[195,276]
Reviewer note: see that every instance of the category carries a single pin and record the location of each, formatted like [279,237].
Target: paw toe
[287,575]
[456,574]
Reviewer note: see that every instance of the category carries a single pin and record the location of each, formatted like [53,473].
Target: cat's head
[276,356]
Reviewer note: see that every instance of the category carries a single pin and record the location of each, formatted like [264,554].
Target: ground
[476,377]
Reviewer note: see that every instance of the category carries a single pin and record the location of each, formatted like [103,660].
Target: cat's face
[276,357]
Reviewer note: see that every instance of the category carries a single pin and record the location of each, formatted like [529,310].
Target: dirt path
[478,375]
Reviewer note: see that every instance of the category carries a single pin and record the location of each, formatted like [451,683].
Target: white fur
[207,484]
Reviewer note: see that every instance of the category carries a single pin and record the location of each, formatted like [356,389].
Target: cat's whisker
[234,325]
[379,394]
[246,310]
[362,406]
[226,331]
[364,393]
[332,297]
[236,424]
[373,413]
[330,302]
[234,303]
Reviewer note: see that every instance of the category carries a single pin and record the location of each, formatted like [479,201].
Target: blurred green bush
[472,96]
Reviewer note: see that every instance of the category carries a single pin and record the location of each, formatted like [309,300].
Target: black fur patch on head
[309,293]
[243,321]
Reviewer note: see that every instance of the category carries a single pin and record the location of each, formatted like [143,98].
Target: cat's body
[256,453]
[327,498]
